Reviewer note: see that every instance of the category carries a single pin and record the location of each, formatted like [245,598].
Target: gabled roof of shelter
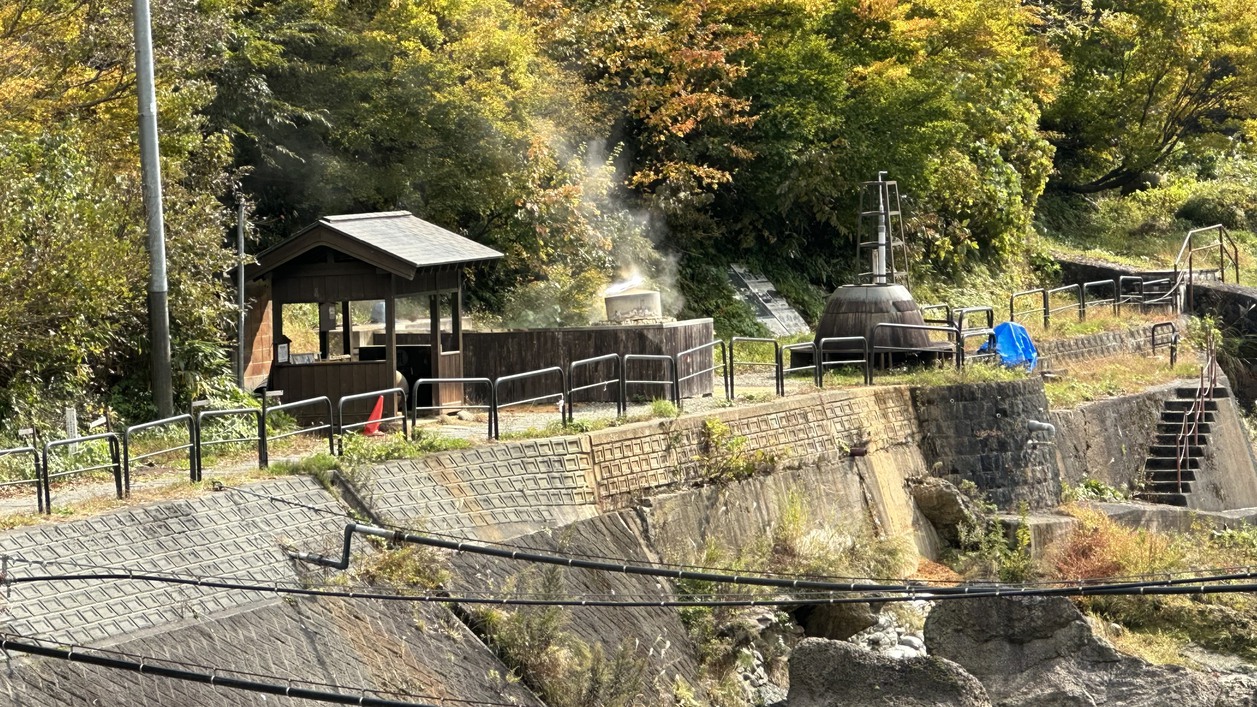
[395,241]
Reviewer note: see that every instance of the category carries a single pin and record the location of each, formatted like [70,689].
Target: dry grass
[1066,325]
[1123,374]
[1158,627]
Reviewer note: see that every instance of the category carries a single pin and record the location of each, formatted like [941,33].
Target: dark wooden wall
[333,379]
[495,354]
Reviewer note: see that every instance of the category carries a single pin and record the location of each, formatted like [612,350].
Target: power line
[98,657]
[147,661]
[719,569]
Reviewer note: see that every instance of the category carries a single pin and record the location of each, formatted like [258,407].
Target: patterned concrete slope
[490,492]
[655,635]
[225,534]
[423,652]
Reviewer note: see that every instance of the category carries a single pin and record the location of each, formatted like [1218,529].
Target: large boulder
[836,621]
[944,505]
[1042,651]
[838,674]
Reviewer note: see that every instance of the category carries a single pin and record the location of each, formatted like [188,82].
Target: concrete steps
[1168,478]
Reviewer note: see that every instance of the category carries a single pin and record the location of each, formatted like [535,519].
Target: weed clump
[724,456]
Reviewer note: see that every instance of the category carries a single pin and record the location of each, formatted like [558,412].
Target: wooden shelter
[367,257]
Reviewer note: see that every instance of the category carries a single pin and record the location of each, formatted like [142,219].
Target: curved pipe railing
[131,431]
[330,425]
[199,425]
[1043,308]
[620,404]
[490,395]
[669,362]
[823,347]
[953,345]
[499,405]
[724,363]
[115,462]
[782,369]
[965,356]
[1095,284]
[927,308]
[39,476]
[342,428]
[1127,295]
[733,357]
[1171,342]
[1076,305]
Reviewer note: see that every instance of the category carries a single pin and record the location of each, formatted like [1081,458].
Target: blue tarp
[1014,346]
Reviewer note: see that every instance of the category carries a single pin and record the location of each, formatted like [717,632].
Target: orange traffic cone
[372,427]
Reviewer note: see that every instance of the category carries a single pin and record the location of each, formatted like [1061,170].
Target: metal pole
[150,165]
[240,295]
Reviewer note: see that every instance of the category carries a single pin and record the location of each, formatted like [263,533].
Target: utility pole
[240,293]
[150,166]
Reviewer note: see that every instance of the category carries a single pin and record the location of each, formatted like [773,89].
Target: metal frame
[1078,293]
[863,362]
[39,476]
[733,358]
[201,444]
[330,425]
[930,308]
[490,406]
[341,427]
[1172,343]
[497,398]
[621,405]
[129,432]
[724,364]
[115,457]
[672,365]
[782,369]
[965,335]
[1138,296]
[1043,307]
[1112,301]
[871,347]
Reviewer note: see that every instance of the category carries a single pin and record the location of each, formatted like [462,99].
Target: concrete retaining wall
[1108,440]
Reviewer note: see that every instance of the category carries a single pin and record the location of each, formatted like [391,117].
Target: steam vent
[878,296]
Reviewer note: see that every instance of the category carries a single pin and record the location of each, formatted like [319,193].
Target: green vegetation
[724,456]
[360,449]
[1160,626]
[796,544]
[589,141]
[984,549]
[565,671]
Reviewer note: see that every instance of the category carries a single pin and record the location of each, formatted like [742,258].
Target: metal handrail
[39,477]
[489,406]
[621,405]
[1078,305]
[724,364]
[131,431]
[872,348]
[1172,343]
[925,308]
[199,424]
[863,361]
[342,428]
[668,360]
[1196,413]
[964,335]
[497,396]
[1086,286]
[782,369]
[1124,298]
[963,312]
[329,425]
[1190,249]
[733,359]
[1044,308]
[115,462]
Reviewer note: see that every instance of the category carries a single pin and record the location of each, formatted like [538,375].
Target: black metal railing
[489,407]
[671,384]
[723,365]
[342,427]
[199,442]
[733,358]
[128,435]
[329,426]
[37,479]
[827,345]
[114,464]
[617,380]
[558,396]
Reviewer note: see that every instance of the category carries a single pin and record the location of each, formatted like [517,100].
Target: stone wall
[1137,340]
[979,433]
[1108,440]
